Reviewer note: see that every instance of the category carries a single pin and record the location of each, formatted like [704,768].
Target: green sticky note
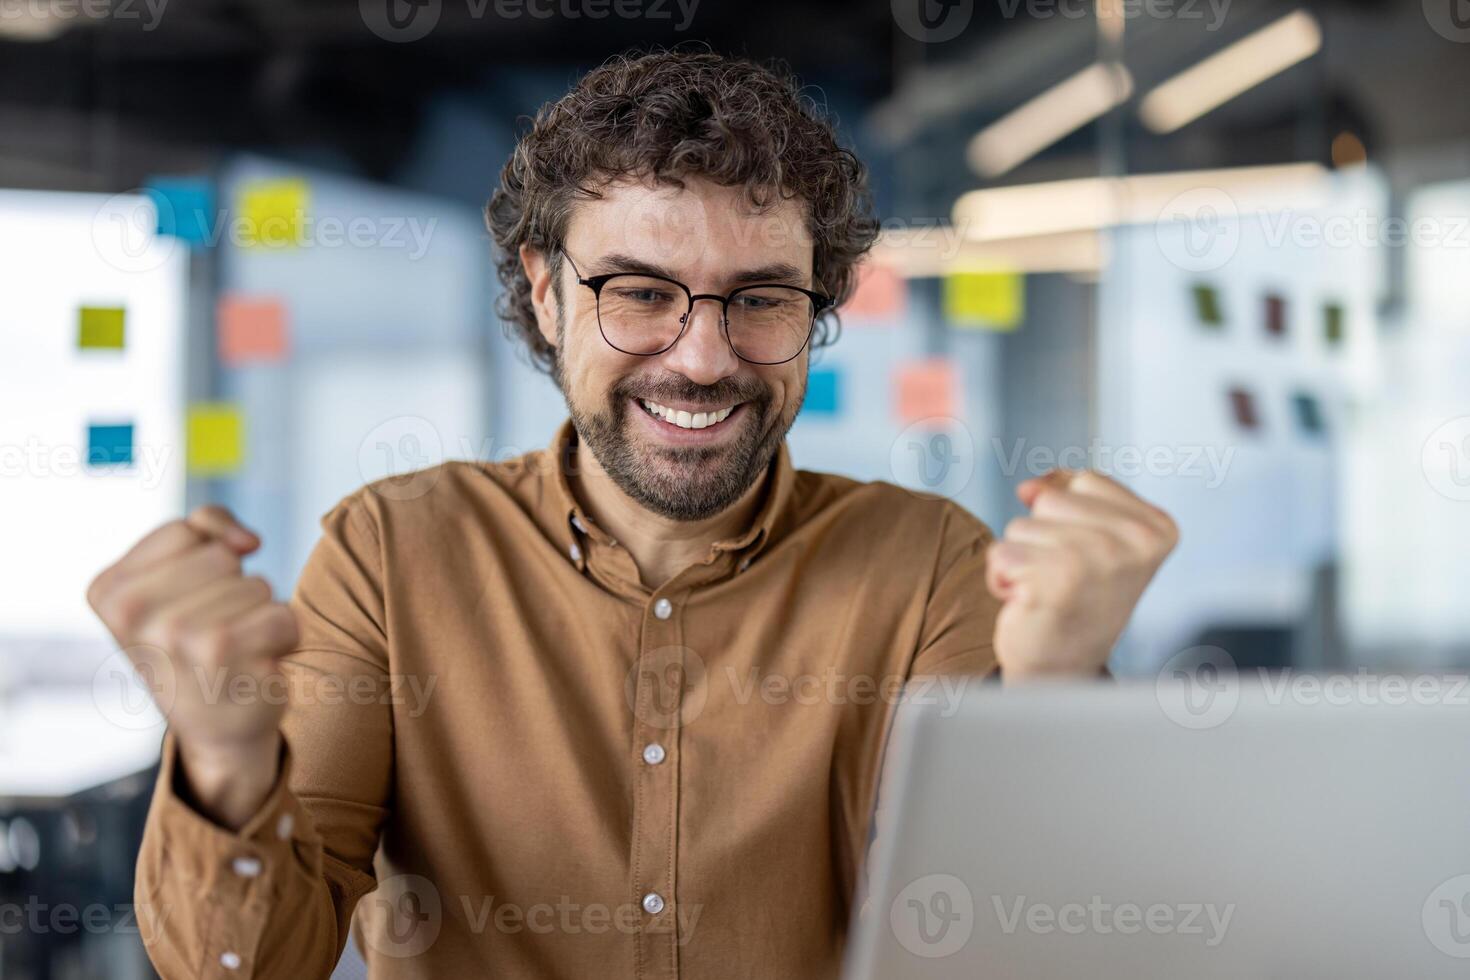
[1333,328]
[1207,305]
[101,327]
[984,300]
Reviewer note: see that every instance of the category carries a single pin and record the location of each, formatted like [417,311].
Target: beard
[681,483]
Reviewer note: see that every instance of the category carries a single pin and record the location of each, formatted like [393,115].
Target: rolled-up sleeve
[275,898]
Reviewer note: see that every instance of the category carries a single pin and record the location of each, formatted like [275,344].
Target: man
[657,663]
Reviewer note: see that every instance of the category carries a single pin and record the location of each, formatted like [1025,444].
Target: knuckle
[211,646]
[257,587]
[220,557]
[125,611]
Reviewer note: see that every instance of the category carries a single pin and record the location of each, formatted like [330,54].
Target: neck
[661,546]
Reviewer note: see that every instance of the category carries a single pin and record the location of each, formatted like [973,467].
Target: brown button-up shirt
[546,768]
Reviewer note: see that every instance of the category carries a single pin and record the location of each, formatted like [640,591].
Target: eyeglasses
[646,315]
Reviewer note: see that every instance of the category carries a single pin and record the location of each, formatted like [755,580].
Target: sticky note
[1207,305]
[823,392]
[1243,407]
[879,297]
[273,212]
[216,439]
[1333,328]
[1308,413]
[1275,315]
[185,208]
[984,300]
[101,327]
[251,329]
[926,389]
[110,445]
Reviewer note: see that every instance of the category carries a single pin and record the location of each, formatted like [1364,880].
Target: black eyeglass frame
[820,303]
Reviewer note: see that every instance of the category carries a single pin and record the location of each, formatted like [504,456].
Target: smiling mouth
[684,419]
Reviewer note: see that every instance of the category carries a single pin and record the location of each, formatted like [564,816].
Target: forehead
[701,228]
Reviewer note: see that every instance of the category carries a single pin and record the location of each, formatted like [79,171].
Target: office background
[1219,250]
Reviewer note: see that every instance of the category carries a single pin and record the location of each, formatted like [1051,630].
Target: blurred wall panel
[386,295]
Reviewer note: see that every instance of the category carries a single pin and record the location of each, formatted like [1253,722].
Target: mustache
[680,388]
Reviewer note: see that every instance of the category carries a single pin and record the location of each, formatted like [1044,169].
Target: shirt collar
[780,481]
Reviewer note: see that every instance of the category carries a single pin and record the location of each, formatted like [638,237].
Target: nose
[703,353]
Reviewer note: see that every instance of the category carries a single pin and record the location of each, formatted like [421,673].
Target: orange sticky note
[926,389]
[879,296]
[251,329]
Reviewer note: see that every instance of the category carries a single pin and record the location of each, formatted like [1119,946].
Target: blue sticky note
[109,445]
[185,207]
[823,392]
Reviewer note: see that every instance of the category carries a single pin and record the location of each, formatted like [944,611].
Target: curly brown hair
[668,115]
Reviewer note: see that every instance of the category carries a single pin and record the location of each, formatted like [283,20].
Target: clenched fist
[187,617]
[1070,574]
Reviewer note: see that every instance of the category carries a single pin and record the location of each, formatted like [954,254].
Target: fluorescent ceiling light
[1093,203]
[1224,75]
[1059,111]
[913,258]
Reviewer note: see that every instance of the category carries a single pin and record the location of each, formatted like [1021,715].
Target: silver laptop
[1283,828]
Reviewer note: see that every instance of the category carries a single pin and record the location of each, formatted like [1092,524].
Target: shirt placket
[663,679]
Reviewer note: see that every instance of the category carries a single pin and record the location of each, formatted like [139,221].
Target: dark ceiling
[108,101]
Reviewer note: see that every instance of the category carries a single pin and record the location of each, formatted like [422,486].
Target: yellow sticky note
[985,300]
[101,327]
[273,213]
[216,439]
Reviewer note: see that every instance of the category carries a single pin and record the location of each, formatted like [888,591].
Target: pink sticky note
[879,296]
[926,389]
[251,329]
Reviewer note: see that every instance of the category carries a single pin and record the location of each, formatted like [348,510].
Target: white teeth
[687,420]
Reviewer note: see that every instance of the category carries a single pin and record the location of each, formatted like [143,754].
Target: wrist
[228,783]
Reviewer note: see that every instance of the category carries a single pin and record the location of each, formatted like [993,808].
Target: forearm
[255,900]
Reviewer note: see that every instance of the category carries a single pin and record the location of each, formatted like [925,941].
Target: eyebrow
[776,272]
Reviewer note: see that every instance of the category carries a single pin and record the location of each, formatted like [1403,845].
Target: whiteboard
[61,519]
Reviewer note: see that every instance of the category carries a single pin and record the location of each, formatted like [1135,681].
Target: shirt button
[285,825]
[577,523]
[653,903]
[229,960]
[246,867]
[575,552]
[653,753]
[663,609]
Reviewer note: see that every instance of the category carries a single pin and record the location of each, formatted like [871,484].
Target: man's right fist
[178,604]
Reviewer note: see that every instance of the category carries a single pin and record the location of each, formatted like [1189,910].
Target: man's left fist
[1070,574]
